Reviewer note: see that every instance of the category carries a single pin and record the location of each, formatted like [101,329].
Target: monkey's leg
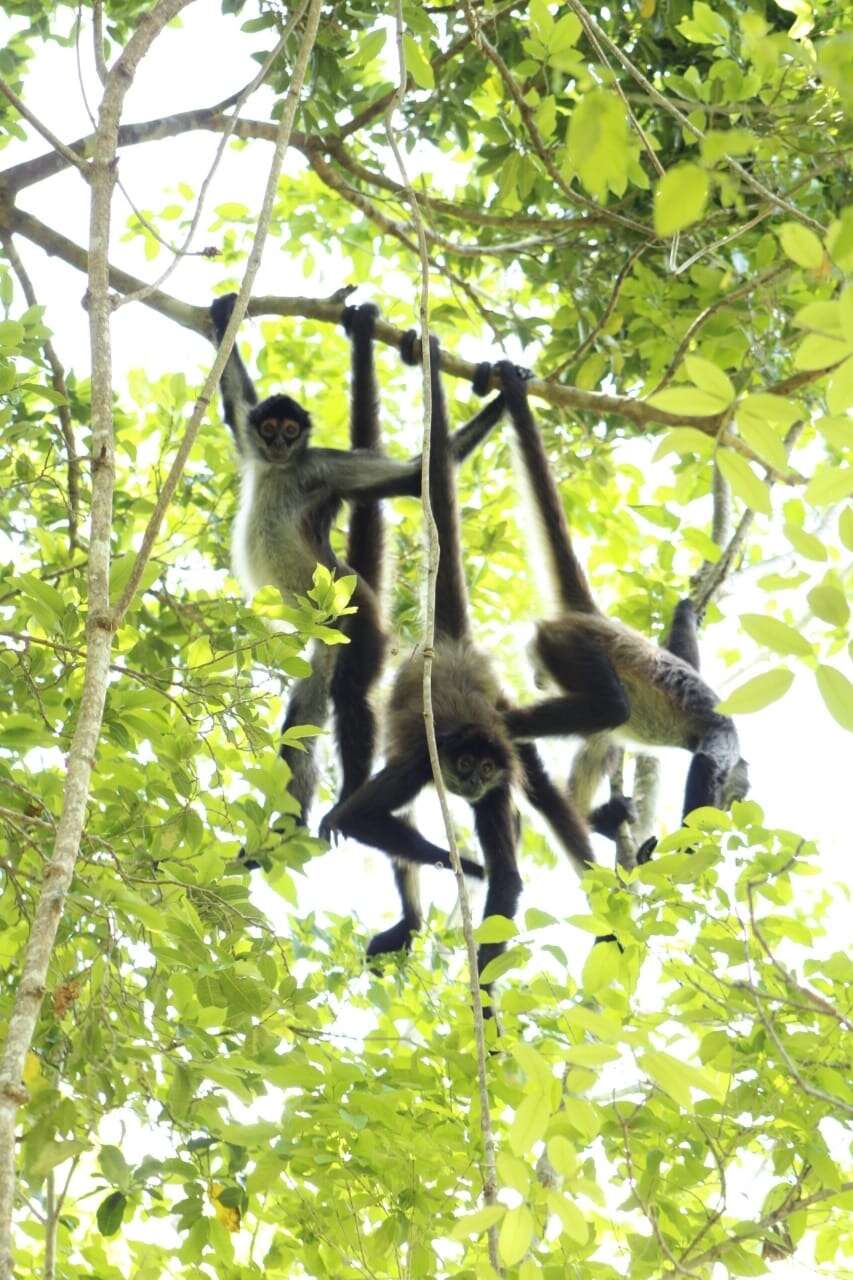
[399,936]
[557,810]
[357,669]
[595,698]
[308,704]
[716,754]
[497,831]
[683,638]
[368,816]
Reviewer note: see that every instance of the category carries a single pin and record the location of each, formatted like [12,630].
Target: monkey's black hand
[327,829]
[482,378]
[361,317]
[645,851]
[410,347]
[397,938]
[220,313]
[512,375]
[608,817]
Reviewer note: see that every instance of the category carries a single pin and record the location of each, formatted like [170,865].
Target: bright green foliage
[225,1090]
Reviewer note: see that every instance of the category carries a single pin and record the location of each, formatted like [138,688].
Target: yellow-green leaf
[685,440]
[776,635]
[667,1073]
[495,929]
[839,394]
[837,692]
[689,401]
[710,378]
[601,967]
[761,437]
[807,544]
[474,1224]
[757,693]
[765,407]
[744,483]
[800,244]
[818,352]
[823,317]
[830,485]
[417,64]
[597,142]
[531,1121]
[573,1221]
[562,1155]
[515,1235]
[829,603]
[680,198]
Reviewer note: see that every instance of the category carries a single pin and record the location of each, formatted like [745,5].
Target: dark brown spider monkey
[290,494]
[477,757]
[612,679]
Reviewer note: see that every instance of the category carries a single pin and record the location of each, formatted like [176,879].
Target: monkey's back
[670,703]
[279,537]
[465,691]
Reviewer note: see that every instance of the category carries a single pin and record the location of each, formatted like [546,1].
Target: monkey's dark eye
[290,428]
[465,764]
[267,428]
[487,768]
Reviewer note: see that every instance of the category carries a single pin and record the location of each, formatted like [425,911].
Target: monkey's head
[279,430]
[473,762]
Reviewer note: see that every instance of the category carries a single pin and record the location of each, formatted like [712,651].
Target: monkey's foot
[608,817]
[645,851]
[397,938]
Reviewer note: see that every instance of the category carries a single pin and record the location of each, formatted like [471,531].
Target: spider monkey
[477,757]
[613,680]
[290,495]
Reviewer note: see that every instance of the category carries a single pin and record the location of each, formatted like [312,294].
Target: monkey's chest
[275,540]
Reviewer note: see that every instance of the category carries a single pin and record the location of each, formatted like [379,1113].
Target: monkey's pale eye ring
[487,768]
[291,429]
[267,428]
[465,764]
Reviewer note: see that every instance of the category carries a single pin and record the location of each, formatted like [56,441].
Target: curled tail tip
[410,347]
[360,316]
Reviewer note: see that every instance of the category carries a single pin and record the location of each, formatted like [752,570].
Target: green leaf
[807,544]
[685,440]
[818,352]
[744,483]
[417,64]
[515,1235]
[680,198]
[531,1121]
[572,1220]
[837,692]
[761,437]
[563,1156]
[474,1224]
[830,485]
[495,929]
[114,1167]
[689,401]
[111,1213]
[513,958]
[845,527]
[537,1068]
[757,693]
[829,603]
[565,34]
[597,142]
[839,394]
[764,407]
[12,334]
[800,244]
[776,635]
[710,378]
[541,22]
[602,966]
[667,1073]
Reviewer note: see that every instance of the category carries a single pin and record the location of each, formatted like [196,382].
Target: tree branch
[69,156]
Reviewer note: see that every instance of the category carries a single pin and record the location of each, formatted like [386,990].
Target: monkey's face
[279,430]
[472,768]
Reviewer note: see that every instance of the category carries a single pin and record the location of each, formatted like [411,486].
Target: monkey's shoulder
[465,688]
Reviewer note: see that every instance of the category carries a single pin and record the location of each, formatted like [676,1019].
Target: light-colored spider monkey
[477,756]
[290,495]
[612,680]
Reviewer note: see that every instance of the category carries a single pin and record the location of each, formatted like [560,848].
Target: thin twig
[604,317]
[434,551]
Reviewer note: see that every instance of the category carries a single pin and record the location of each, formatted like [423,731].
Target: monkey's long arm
[494,820]
[556,809]
[570,580]
[238,390]
[368,816]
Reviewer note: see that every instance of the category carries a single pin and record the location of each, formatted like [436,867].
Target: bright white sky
[798,757]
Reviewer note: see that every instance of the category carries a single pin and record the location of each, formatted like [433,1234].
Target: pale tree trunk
[102,621]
